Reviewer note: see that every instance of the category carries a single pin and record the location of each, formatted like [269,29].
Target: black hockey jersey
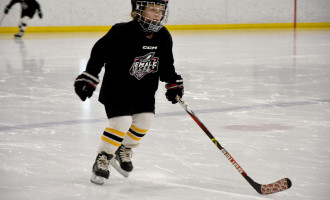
[133,65]
[29,7]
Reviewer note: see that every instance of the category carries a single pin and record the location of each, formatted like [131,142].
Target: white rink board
[109,12]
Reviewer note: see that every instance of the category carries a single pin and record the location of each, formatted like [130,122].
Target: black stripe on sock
[136,133]
[114,137]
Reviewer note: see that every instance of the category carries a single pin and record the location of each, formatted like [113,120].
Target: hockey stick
[271,188]
[2,17]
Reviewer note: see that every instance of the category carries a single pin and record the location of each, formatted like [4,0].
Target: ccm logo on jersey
[149,47]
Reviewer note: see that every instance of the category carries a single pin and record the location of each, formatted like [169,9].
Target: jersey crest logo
[144,65]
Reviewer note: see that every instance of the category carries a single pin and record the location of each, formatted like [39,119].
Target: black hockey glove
[173,89]
[85,84]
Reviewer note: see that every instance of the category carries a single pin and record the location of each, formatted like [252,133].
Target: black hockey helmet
[148,25]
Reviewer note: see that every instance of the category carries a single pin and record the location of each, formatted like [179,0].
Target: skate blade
[97,179]
[118,168]
[17,36]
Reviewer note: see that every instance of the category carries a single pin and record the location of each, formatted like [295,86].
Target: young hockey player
[29,8]
[136,55]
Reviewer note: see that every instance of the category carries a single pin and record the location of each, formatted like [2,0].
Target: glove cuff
[91,77]
[169,86]
[175,83]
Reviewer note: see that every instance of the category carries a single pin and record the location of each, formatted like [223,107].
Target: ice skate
[122,162]
[101,168]
[19,34]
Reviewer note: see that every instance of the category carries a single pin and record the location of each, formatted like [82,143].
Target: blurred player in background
[136,55]
[29,8]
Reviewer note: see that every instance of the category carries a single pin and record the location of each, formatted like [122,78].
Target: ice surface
[264,94]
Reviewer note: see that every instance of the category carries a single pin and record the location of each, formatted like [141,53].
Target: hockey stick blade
[271,188]
[277,186]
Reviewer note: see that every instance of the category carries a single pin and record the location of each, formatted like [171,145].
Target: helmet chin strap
[146,32]
[142,29]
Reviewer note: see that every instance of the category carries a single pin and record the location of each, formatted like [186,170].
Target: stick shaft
[2,17]
[255,185]
[271,188]
[209,134]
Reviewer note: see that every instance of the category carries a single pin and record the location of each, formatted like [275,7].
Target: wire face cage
[152,15]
